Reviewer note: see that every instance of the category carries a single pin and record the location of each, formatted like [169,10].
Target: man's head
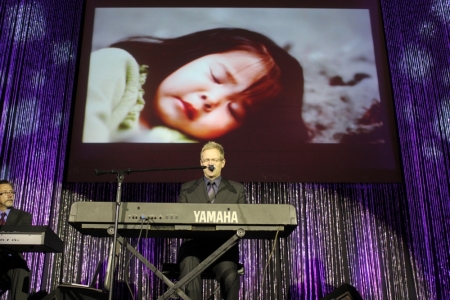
[212,154]
[6,195]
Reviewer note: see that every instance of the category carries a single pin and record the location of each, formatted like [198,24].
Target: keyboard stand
[204,264]
[176,288]
[158,273]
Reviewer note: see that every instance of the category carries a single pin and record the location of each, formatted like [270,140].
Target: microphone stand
[120,175]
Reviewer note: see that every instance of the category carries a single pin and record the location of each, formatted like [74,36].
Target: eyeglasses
[212,160]
[8,192]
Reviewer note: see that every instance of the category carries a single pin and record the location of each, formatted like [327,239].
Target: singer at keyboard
[211,188]
[12,265]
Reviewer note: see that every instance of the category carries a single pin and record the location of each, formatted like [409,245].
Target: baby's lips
[189,109]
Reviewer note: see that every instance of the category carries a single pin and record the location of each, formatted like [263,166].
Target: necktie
[2,220]
[211,192]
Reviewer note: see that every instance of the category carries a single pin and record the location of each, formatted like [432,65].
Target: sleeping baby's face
[204,97]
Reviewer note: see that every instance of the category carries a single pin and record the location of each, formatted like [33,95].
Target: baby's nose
[211,99]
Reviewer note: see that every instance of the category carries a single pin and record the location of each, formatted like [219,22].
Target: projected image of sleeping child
[196,87]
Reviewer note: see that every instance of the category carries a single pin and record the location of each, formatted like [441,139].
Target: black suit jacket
[18,217]
[195,192]
[15,217]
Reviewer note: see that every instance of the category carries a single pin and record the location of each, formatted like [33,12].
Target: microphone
[211,167]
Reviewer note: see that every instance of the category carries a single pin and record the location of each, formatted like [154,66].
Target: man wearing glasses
[13,267]
[211,188]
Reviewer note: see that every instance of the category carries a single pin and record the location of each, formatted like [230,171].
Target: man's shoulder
[19,211]
[192,182]
[232,182]
[17,217]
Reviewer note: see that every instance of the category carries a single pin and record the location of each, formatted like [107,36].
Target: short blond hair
[213,145]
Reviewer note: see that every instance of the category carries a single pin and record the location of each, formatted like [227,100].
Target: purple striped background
[390,241]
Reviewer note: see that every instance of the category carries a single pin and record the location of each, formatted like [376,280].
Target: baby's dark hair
[282,83]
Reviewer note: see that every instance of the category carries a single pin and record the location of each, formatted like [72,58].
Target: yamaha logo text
[212,216]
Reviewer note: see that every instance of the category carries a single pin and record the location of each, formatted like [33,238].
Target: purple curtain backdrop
[390,241]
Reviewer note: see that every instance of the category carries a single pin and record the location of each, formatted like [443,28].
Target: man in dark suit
[211,188]
[13,267]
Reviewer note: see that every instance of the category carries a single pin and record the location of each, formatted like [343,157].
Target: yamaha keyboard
[28,238]
[184,220]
